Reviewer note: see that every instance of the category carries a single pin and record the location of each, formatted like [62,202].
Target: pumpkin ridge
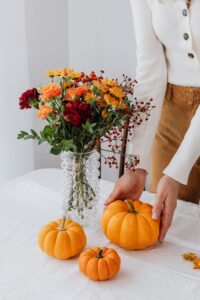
[115,216]
[111,258]
[43,229]
[88,266]
[80,241]
[121,231]
[107,267]
[76,233]
[48,234]
[91,252]
[148,223]
[55,244]
[70,244]
[152,226]
[144,208]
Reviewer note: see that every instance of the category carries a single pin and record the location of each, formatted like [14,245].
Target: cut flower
[24,100]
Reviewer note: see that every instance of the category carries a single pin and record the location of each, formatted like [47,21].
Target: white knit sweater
[168,50]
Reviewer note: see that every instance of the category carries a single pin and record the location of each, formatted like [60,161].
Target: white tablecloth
[26,273]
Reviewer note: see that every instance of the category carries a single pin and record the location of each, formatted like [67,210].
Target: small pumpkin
[129,224]
[99,264]
[62,238]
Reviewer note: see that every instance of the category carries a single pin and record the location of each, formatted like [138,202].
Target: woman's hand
[165,205]
[130,185]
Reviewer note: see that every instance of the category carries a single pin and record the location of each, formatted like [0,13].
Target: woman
[168,70]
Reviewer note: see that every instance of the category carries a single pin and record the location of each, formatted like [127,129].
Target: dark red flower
[26,97]
[78,113]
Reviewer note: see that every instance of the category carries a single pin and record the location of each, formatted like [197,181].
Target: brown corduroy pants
[179,107]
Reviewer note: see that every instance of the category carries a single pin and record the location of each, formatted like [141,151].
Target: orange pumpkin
[99,264]
[62,239]
[129,224]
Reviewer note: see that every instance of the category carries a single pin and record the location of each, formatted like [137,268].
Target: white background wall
[42,34]
[15,157]
[47,42]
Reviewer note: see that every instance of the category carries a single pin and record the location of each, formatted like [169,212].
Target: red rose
[78,113]
[26,97]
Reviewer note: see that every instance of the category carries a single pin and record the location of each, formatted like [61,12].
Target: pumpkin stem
[100,253]
[62,228]
[132,208]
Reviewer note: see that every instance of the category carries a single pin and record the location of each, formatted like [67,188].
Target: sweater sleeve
[189,151]
[151,74]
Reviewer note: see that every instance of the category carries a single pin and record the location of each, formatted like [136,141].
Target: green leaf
[68,145]
[34,103]
[34,133]
[56,150]
[96,91]
[88,127]
[22,135]
[48,130]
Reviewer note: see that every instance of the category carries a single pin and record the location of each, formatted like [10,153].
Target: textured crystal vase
[80,186]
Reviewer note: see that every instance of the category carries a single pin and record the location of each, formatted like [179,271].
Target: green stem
[131,206]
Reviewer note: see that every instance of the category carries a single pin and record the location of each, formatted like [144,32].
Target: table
[158,273]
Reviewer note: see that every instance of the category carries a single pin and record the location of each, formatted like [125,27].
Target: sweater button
[185,12]
[190,55]
[186,36]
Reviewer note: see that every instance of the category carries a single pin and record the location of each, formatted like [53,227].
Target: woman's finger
[113,196]
[166,221]
[158,206]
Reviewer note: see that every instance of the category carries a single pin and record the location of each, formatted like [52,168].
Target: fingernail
[154,215]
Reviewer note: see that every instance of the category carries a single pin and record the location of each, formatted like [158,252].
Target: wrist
[172,180]
[141,171]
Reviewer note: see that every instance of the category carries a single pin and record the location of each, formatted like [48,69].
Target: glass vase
[80,186]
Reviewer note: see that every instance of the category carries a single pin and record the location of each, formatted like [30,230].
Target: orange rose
[76,93]
[73,93]
[84,88]
[44,111]
[50,90]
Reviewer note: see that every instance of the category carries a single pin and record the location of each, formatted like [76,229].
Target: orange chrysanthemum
[44,111]
[90,97]
[50,90]
[122,105]
[111,100]
[59,72]
[109,82]
[197,263]
[190,256]
[104,113]
[72,74]
[67,84]
[117,92]
[100,86]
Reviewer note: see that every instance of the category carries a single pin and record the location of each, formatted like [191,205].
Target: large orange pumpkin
[62,239]
[99,264]
[129,224]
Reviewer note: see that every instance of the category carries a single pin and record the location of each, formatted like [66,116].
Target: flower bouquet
[81,111]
